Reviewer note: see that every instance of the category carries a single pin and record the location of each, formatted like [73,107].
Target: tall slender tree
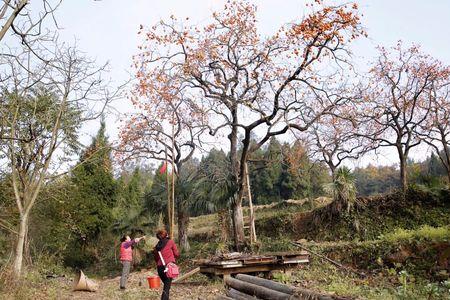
[42,109]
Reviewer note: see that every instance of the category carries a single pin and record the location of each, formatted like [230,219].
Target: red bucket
[154,282]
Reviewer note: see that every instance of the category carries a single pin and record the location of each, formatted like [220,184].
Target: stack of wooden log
[246,287]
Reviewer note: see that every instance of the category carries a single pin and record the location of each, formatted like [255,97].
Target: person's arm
[129,244]
[137,240]
[176,254]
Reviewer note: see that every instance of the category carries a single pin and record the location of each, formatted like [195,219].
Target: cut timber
[255,290]
[188,274]
[283,288]
[243,269]
[260,259]
[267,283]
[235,294]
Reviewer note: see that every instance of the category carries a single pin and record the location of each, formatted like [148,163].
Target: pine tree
[94,197]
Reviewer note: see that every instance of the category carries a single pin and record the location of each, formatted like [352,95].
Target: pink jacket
[126,252]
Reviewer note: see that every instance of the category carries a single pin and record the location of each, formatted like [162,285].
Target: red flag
[163,168]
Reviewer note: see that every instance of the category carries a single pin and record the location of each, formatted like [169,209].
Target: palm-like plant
[188,190]
[343,190]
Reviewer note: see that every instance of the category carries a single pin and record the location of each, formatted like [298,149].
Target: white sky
[107,29]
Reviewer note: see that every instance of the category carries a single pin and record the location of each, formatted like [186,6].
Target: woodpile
[246,287]
[235,263]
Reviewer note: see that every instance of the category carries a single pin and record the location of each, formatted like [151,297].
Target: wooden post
[169,211]
[250,203]
[173,178]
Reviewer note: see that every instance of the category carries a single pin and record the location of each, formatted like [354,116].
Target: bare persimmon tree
[436,129]
[399,100]
[334,138]
[250,85]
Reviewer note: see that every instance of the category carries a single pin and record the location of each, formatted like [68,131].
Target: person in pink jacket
[126,257]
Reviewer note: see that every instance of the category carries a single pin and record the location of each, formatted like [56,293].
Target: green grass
[324,277]
[423,233]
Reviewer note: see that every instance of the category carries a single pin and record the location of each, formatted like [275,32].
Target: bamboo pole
[173,177]
[250,203]
[169,213]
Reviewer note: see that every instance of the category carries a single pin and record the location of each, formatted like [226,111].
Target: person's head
[161,234]
[125,238]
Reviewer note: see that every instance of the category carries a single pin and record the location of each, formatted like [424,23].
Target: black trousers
[167,283]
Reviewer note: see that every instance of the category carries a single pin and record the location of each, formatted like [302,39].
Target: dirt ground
[137,288]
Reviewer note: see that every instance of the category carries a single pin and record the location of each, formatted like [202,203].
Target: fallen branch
[329,260]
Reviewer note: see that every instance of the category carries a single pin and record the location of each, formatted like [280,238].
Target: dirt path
[137,288]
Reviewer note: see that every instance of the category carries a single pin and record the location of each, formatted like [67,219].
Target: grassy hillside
[402,244]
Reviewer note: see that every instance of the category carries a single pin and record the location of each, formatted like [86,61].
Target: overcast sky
[107,29]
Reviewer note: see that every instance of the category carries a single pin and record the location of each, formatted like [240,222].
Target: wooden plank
[224,262]
[232,266]
[260,260]
[243,269]
[295,259]
[219,270]
[286,253]
[256,290]
[187,275]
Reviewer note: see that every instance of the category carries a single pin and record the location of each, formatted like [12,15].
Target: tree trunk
[183,224]
[224,223]
[18,258]
[238,222]
[403,176]
[446,159]
[332,170]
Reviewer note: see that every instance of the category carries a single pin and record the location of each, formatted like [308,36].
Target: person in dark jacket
[169,252]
